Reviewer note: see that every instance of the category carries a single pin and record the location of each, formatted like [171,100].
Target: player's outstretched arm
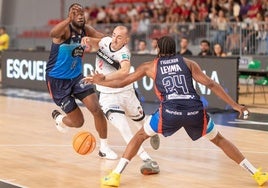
[90,42]
[216,88]
[142,70]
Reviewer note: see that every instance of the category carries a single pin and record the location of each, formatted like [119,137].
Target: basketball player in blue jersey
[64,74]
[180,106]
[113,60]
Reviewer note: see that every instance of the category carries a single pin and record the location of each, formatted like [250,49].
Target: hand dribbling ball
[84,142]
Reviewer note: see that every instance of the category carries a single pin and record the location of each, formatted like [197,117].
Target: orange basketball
[84,142]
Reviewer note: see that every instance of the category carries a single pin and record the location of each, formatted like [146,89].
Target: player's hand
[243,111]
[85,41]
[74,11]
[97,78]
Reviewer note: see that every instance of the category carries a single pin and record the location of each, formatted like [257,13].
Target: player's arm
[202,78]
[61,31]
[91,32]
[145,69]
[120,73]
[92,42]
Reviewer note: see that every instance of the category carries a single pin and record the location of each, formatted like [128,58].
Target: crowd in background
[183,18]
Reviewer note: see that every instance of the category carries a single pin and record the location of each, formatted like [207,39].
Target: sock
[103,143]
[121,165]
[59,120]
[248,166]
[143,154]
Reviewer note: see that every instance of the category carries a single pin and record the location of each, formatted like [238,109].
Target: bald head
[123,30]
[119,37]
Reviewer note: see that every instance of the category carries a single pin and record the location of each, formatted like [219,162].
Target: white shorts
[125,102]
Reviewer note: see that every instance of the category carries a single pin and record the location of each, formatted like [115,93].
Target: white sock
[143,154]
[123,162]
[59,120]
[248,166]
[103,143]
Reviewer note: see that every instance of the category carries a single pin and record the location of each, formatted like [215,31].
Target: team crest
[125,56]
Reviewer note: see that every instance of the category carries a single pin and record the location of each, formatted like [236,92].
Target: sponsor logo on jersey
[125,56]
[78,51]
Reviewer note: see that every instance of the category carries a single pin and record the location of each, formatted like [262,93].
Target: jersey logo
[78,51]
[125,56]
[108,60]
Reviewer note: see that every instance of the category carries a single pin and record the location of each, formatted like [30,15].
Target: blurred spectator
[142,47]
[154,47]
[102,16]
[233,41]
[142,27]
[173,13]
[244,7]
[4,39]
[184,51]
[132,11]
[204,48]
[265,37]
[218,51]
[220,24]
[194,28]
[146,10]
[202,12]
[254,9]
[250,39]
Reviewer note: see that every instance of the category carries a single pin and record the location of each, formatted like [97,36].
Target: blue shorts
[65,91]
[167,120]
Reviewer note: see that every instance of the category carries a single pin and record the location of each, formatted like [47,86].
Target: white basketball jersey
[108,61]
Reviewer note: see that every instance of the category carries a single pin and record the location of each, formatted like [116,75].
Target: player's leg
[233,153]
[64,99]
[73,118]
[92,104]
[86,94]
[113,179]
[135,111]
[120,122]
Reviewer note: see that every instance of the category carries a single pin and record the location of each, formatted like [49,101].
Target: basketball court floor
[33,154]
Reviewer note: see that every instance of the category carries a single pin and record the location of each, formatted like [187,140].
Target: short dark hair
[167,46]
[205,41]
[74,4]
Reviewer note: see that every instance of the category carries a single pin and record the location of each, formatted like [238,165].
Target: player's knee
[96,111]
[141,135]
[211,131]
[79,122]
[217,140]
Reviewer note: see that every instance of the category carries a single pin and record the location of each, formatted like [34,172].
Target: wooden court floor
[34,154]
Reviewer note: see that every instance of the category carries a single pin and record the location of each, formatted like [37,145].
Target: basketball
[84,142]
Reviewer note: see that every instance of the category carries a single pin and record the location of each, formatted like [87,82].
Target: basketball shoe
[57,116]
[260,177]
[155,142]
[107,153]
[113,179]
[149,167]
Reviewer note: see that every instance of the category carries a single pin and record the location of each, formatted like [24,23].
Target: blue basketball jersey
[65,60]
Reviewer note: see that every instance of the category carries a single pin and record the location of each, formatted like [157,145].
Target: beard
[79,25]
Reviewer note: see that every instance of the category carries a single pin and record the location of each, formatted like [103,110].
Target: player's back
[173,81]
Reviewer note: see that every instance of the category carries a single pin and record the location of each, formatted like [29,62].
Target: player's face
[119,39]
[79,20]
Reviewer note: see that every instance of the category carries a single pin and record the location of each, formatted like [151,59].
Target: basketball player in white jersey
[113,60]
